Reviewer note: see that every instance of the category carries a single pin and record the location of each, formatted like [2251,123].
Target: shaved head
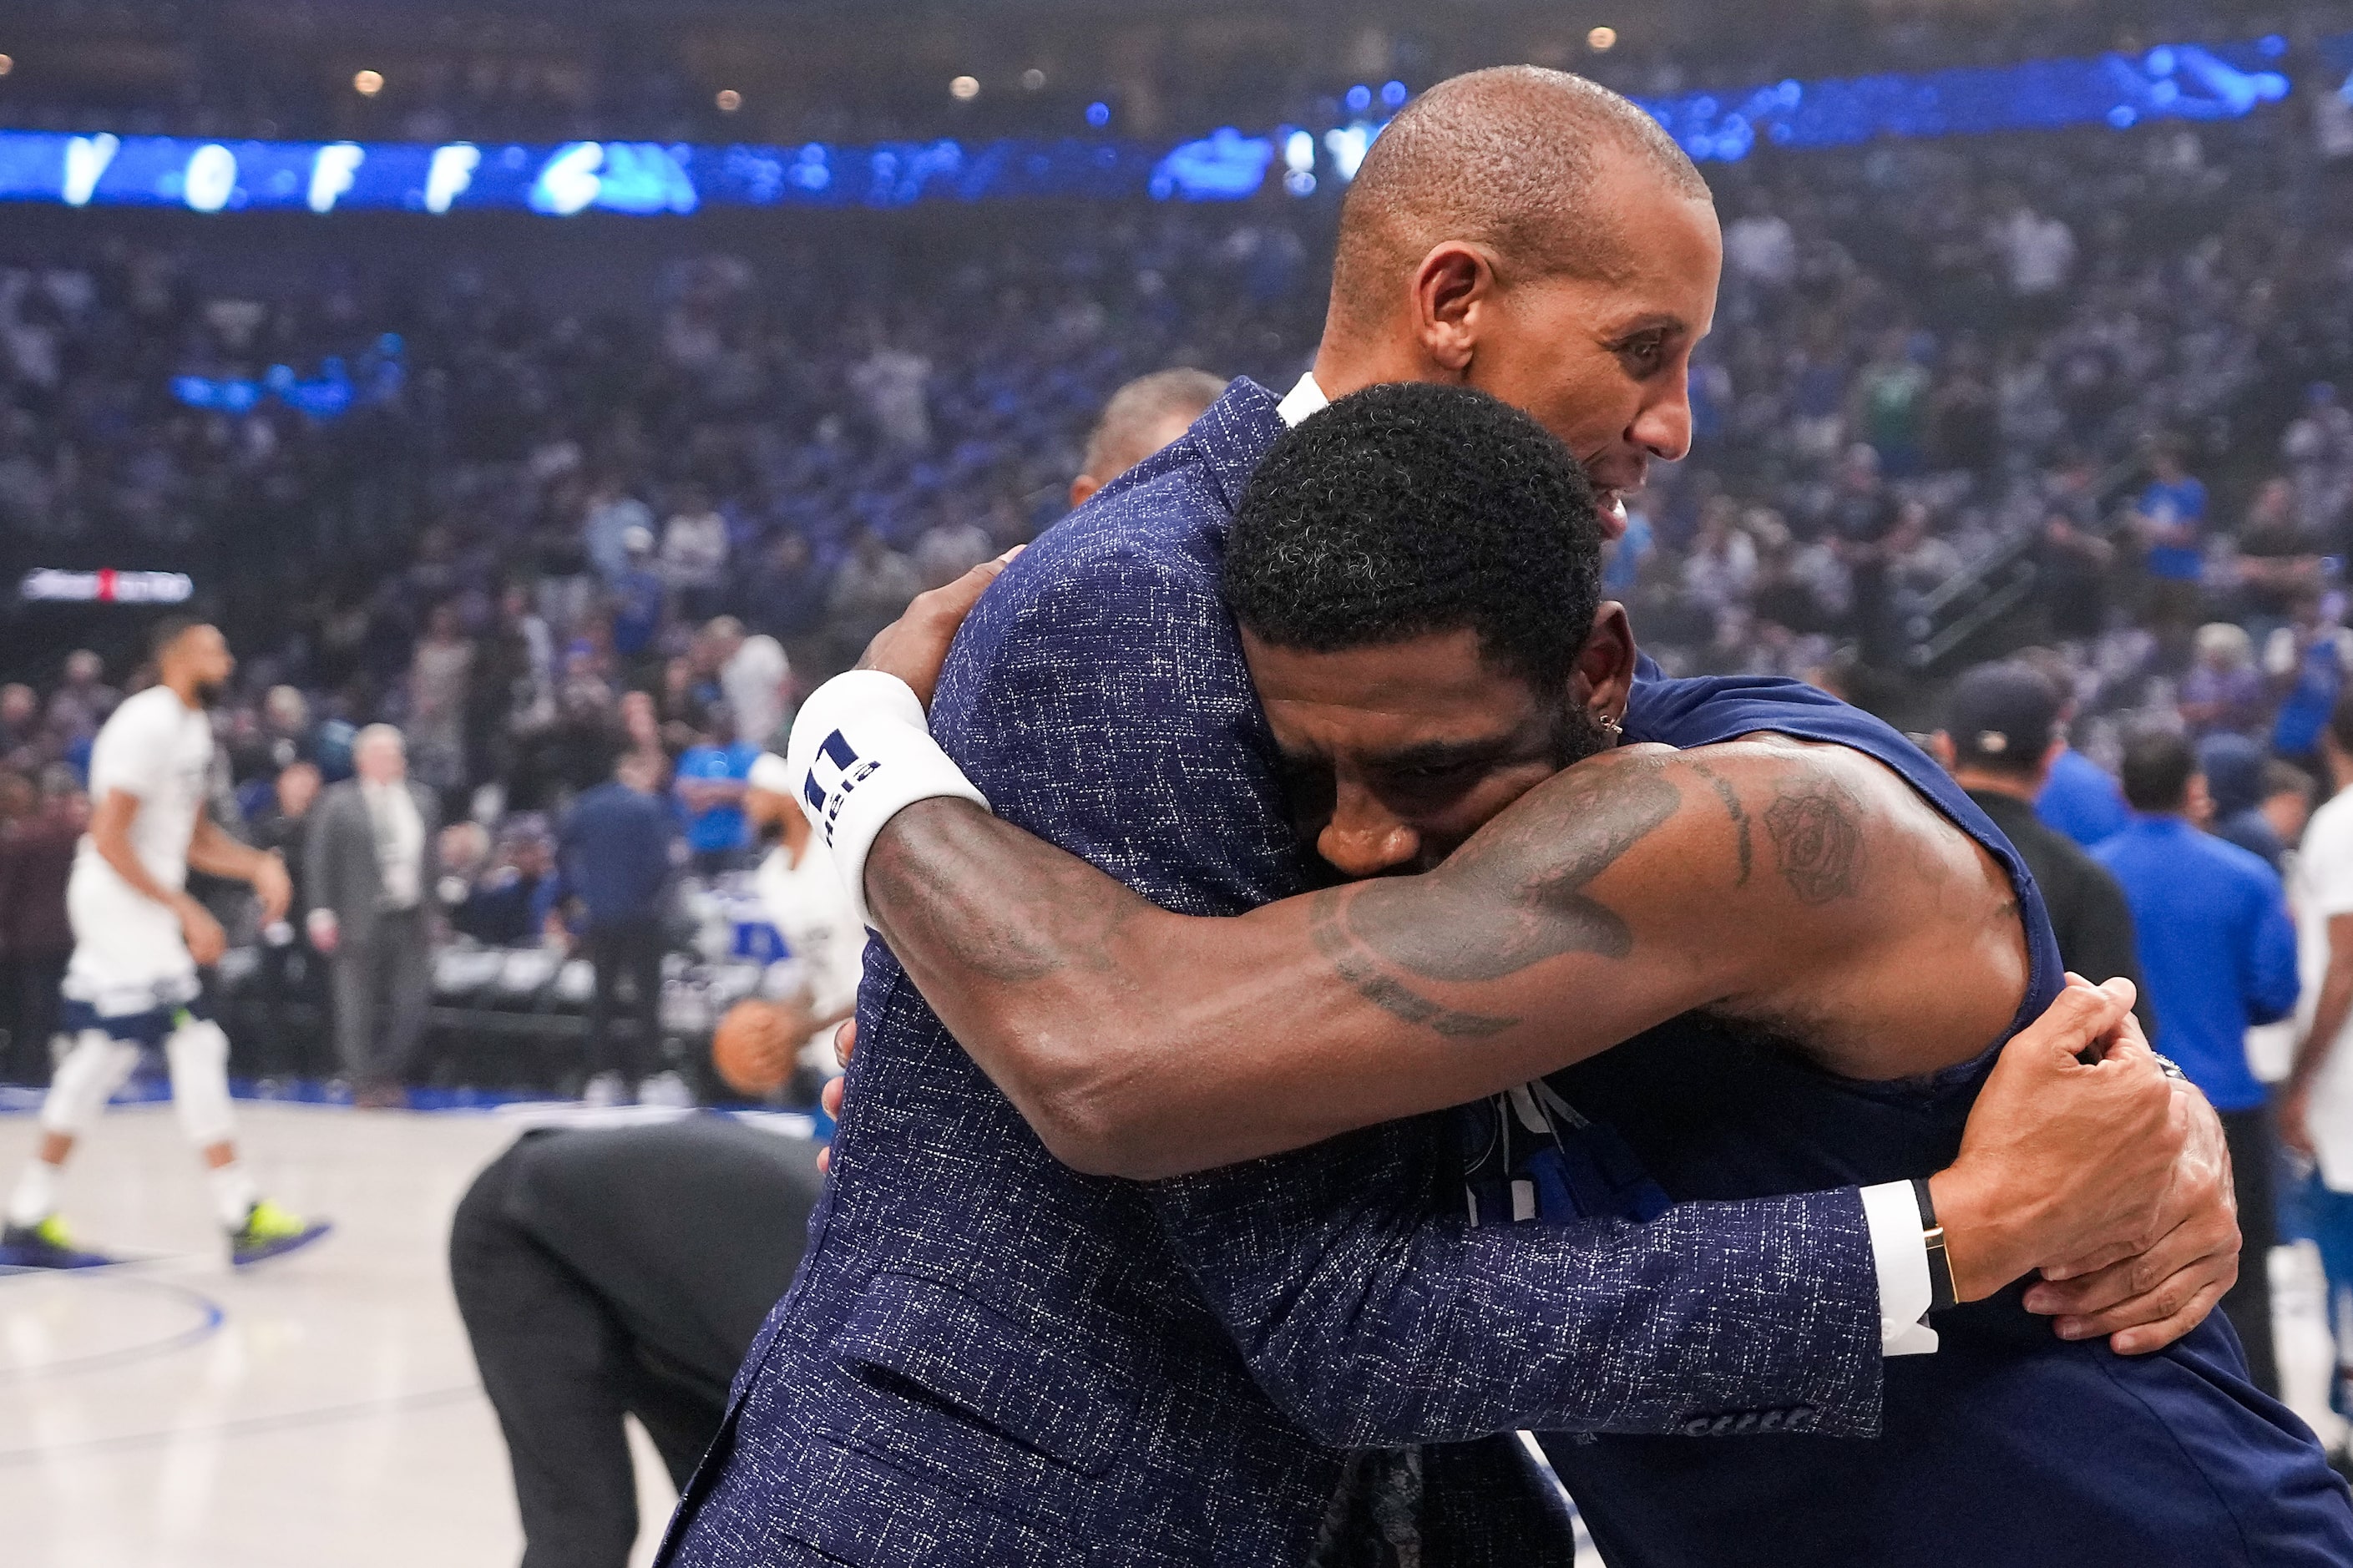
[1538,237]
[1510,158]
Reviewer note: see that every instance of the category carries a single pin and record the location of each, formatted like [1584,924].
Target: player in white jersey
[138,941]
[820,929]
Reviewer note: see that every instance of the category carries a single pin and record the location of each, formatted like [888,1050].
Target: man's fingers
[2158,1335]
[2081,1291]
[829,1096]
[2076,1017]
[2150,1308]
[845,1041]
[2076,1268]
[957,598]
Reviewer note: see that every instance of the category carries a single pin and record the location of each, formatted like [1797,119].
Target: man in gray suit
[367,877]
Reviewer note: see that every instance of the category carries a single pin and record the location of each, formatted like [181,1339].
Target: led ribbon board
[2171,82]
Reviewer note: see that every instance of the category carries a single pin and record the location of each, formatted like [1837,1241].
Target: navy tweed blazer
[990,1359]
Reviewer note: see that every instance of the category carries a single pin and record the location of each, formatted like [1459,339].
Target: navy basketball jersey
[2008,1444]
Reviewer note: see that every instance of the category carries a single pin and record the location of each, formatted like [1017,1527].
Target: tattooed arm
[1768,879]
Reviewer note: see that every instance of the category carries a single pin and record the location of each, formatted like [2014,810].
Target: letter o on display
[211,177]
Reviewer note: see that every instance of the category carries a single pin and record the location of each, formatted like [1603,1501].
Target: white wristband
[861,752]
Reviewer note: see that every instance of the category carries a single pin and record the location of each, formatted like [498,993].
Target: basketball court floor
[323,1412]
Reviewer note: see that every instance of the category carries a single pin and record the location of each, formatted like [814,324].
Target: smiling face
[1604,363]
[1597,352]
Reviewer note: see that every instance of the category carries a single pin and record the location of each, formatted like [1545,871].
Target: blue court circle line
[211,1315]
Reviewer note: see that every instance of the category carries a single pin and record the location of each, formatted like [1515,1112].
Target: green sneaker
[48,1245]
[270,1232]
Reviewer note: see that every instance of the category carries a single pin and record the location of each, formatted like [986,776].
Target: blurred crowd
[2109,361]
[2085,381]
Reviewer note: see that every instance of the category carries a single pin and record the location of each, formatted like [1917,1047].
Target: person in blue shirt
[711,779]
[2309,655]
[614,854]
[2082,801]
[638,599]
[2219,952]
[2260,803]
[2171,514]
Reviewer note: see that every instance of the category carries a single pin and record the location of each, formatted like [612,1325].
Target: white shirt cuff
[1900,1253]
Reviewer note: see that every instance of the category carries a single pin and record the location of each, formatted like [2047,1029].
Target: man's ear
[1604,677]
[1454,286]
[1083,488]
[1940,746]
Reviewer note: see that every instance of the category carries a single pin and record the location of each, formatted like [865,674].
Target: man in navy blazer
[988,1358]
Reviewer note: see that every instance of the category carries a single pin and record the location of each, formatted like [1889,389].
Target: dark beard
[207,694]
[1577,734]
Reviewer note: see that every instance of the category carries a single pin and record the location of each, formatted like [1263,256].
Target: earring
[1611,724]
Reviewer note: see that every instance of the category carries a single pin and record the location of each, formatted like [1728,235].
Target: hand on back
[915,648]
[2107,1175]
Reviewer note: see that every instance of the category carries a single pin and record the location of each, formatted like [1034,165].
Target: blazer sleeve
[1367,1308]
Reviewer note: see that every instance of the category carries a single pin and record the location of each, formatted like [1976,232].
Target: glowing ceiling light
[1601,40]
[965,88]
[367,84]
[729,101]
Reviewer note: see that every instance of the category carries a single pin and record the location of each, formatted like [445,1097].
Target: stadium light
[1033,78]
[1601,40]
[7,64]
[965,88]
[367,84]
[729,101]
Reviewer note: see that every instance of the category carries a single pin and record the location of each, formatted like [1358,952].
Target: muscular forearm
[1623,892]
[1144,1044]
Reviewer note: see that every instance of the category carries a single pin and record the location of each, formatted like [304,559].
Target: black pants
[2254,1156]
[621,1271]
[627,955]
[291,1018]
[29,1006]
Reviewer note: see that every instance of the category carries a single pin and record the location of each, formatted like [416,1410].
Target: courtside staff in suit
[367,867]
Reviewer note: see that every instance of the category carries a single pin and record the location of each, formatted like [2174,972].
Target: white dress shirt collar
[1305,398]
